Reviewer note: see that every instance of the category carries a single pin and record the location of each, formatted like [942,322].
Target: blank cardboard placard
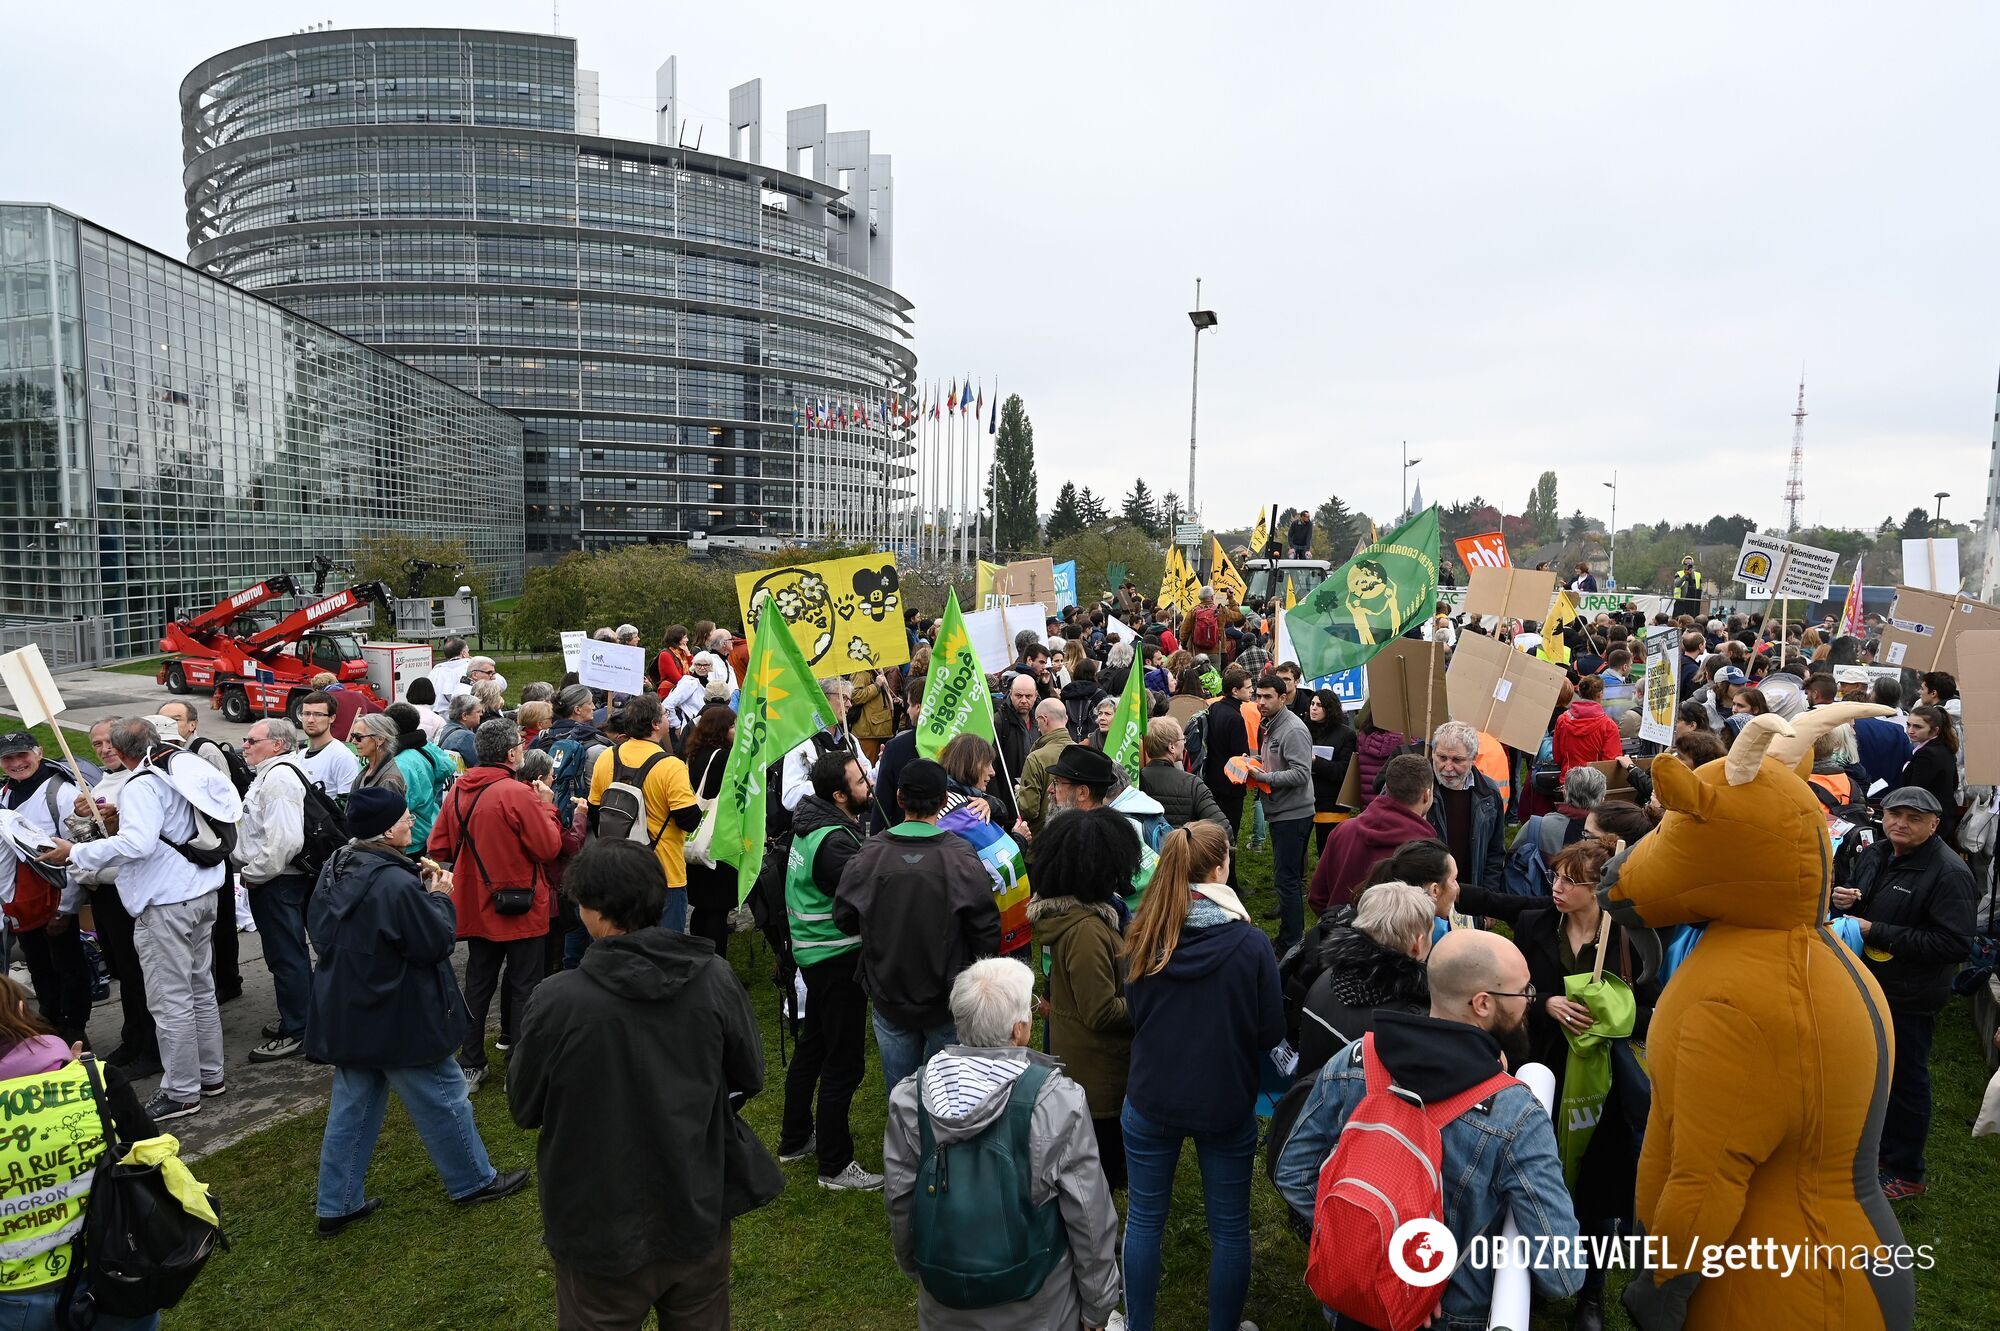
[1979,693]
[1024,582]
[1400,677]
[613,667]
[1511,593]
[1931,565]
[31,686]
[1924,628]
[992,633]
[1501,692]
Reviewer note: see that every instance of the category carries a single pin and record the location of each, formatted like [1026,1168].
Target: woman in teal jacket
[428,771]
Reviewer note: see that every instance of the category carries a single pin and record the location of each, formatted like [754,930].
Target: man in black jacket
[1912,896]
[923,907]
[632,1066]
[1228,737]
[1183,797]
[1013,726]
[833,1038]
[1468,813]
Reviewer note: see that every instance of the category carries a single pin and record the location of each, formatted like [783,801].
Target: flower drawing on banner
[859,650]
[800,598]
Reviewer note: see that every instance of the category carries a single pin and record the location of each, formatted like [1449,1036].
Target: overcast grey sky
[1517,235]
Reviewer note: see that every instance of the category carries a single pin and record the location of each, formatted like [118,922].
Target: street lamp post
[1408,462]
[1611,546]
[1202,320]
[1937,523]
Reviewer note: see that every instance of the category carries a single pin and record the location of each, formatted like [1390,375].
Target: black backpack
[325,826]
[241,773]
[139,1249]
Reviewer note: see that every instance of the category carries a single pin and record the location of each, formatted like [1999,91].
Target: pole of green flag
[1128,723]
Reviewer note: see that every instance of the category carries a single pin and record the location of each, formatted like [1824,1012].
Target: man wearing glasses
[325,759]
[1503,1147]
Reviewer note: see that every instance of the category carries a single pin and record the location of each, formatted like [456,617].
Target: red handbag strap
[1444,1111]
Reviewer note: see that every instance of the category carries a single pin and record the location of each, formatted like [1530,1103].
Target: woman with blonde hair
[1206,1008]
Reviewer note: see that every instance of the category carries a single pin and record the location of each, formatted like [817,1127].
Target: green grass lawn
[815,1259]
[148,666]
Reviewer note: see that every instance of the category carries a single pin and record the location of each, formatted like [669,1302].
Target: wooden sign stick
[62,742]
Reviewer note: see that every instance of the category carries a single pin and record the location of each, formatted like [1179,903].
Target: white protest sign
[1772,566]
[992,633]
[1113,624]
[30,684]
[1931,566]
[572,648]
[1660,694]
[613,666]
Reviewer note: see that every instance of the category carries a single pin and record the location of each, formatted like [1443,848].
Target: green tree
[649,586]
[1016,494]
[1138,508]
[1095,549]
[1170,512]
[1067,518]
[1916,525]
[1541,510]
[1334,529]
[1578,525]
[1091,509]
[382,558]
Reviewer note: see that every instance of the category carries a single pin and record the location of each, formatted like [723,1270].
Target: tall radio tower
[1795,484]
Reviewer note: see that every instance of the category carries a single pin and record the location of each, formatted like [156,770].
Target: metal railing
[75,644]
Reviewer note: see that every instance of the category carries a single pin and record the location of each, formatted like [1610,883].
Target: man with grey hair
[1468,813]
[795,782]
[539,690]
[449,672]
[991,1085]
[268,842]
[499,836]
[167,811]
[1543,835]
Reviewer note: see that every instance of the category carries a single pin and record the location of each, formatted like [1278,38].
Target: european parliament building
[662,320]
[166,440]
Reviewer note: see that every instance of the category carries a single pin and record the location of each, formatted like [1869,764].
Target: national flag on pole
[951,398]
[993,423]
[955,698]
[1853,616]
[1368,602]
[781,707]
[979,403]
[1223,576]
[1123,744]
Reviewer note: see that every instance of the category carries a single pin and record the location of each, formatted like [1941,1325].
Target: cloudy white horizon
[1519,237]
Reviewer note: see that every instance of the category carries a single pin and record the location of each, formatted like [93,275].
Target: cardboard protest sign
[1501,692]
[992,633]
[1772,566]
[1125,632]
[847,614]
[1931,565]
[1406,690]
[1660,696]
[612,666]
[1618,782]
[1979,692]
[572,648]
[39,702]
[1510,593]
[1924,626]
[1021,582]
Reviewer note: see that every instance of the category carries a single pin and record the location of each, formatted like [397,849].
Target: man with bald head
[1503,1146]
[1052,737]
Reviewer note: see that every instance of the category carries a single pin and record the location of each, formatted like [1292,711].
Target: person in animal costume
[1770,1053]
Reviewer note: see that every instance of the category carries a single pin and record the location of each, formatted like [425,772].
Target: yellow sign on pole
[1224,577]
[845,614]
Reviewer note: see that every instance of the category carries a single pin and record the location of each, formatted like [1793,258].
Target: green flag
[1368,602]
[781,707]
[1128,724]
[1614,1013]
[955,698]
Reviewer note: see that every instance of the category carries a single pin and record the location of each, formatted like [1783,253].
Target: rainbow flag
[1853,622]
[1005,863]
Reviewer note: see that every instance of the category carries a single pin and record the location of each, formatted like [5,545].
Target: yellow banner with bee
[845,614]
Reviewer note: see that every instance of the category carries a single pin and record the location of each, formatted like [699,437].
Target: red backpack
[1384,1171]
[1207,629]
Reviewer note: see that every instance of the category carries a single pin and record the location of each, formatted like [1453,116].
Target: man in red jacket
[1400,815]
[499,836]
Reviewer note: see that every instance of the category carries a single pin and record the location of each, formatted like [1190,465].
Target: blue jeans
[35,1310]
[436,1099]
[674,915]
[279,907]
[1288,875]
[1152,1153]
[904,1051]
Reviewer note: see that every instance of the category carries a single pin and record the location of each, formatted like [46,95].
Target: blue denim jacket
[1500,1159]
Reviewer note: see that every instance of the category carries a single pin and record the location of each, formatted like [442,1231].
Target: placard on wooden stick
[1511,593]
[1501,692]
[40,702]
[1406,690]
[1924,628]
[1979,688]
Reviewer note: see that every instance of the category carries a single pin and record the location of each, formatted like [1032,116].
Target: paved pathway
[92,695]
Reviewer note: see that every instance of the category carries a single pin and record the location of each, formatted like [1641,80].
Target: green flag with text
[1382,593]
[955,698]
[782,706]
[1128,724]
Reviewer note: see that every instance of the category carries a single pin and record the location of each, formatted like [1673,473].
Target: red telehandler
[268,670]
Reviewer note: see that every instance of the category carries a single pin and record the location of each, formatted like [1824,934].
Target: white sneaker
[1115,1322]
[852,1179]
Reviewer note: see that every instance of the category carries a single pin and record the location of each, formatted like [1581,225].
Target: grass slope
[819,1260]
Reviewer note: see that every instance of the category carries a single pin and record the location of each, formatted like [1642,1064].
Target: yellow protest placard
[845,614]
[982,586]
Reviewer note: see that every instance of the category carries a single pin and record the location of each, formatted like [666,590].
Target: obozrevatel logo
[1422,1252]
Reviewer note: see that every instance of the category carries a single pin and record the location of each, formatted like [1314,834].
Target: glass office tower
[166,439]
[664,321]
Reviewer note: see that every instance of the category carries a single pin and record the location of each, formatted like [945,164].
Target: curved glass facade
[660,319]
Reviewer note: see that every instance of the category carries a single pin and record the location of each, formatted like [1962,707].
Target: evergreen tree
[1091,509]
[1170,512]
[1016,496]
[1916,525]
[1138,508]
[1334,530]
[1067,519]
[1542,510]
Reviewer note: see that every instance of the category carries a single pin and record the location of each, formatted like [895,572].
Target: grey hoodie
[1285,748]
[966,1091]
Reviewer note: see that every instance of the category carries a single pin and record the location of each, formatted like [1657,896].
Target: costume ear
[1796,748]
[1746,756]
[1678,789]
